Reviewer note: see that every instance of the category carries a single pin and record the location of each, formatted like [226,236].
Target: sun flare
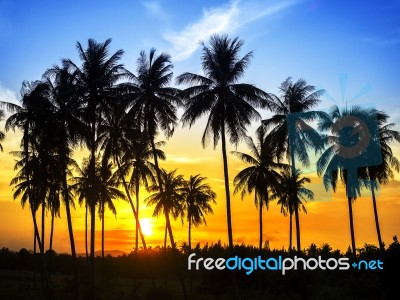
[147,226]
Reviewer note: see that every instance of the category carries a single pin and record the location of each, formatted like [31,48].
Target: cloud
[7,95]
[179,159]
[154,8]
[227,18]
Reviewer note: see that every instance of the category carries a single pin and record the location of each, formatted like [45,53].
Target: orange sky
[326,221]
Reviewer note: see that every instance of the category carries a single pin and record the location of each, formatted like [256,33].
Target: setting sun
[147,226]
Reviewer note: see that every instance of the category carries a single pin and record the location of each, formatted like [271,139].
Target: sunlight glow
[147,226]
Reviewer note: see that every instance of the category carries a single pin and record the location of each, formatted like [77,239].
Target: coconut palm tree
[96,78]
[230,105]
[154,103]
[261,176]
[382,173]
[68,131]
[198,198]
[292,194]
[333,165]
[169,201]
[289,129]
[30,118]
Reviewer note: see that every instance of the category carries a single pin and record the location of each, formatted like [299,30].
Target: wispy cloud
[7,95]
[154,8]
[227,18]
[179,159]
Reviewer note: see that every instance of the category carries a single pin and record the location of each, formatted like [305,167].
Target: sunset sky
[350,49]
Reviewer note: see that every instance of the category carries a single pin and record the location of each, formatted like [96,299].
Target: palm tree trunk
[86,233]
[261,220]
[92,243]
[227,193]
[102,231]
[378,231]
[189,235]
[71,235]
[296,214]
[42,238]
[52,229]
[290,230]
[137,210]
[172,241]
[353,242]
[138,222]
[34,258]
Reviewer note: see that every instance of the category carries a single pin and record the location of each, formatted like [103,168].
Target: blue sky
[315,40]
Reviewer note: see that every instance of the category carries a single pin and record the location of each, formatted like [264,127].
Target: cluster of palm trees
[118,115]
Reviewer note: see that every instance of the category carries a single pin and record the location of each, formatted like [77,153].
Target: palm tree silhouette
[169,200]
[68,130]
[291,134]
[292,194]
[261,176]
[230,105]
[154,103]
[380,174]
[108,191]
[96,79]
[198,196]
[332,164]
[31,180]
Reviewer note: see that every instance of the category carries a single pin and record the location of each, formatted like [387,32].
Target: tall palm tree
[30,118]
[382,173]
[68,131]
[292,110]
[261,176]
[332,165]
[198,196]
[154,103]
[292,194]
[97,78]
[230,105]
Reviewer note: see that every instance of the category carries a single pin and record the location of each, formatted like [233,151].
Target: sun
[147,226]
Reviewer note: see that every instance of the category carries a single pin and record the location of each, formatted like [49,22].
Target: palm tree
[169,200]
[289,129]
[198,196]
[68,130]
[230,105]
[333,164]
[30,118]
[96,79]
[143,171]
[380,174]
[107,186]
[154,103]
[292,194]
[261,176]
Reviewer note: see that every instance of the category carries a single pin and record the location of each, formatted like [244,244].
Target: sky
[348,48]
